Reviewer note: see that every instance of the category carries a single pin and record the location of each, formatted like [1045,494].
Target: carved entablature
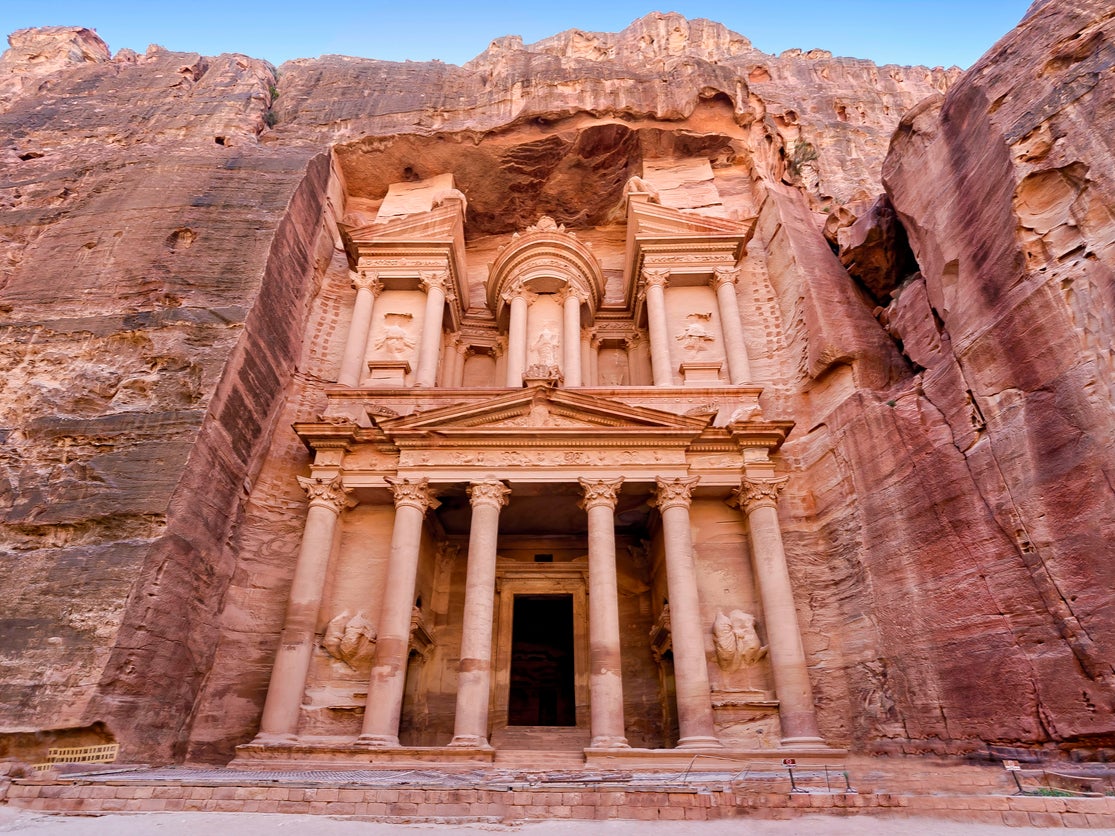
[545,259]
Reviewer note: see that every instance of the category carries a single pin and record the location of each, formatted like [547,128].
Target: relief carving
[696,336]
[736,640]
[350,639]
[396,340]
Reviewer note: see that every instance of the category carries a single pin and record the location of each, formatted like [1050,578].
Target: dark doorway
[542,662]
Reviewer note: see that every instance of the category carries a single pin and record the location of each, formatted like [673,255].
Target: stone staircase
[540,747]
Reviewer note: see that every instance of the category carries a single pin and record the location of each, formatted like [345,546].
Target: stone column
[436,286]
[739,366]
[388,677]
[594,360]
[759,499]
[655,282]
[517,339]
[356,346]
[288,677]
[606,675]
[687,633]
[571,338]
[474,677]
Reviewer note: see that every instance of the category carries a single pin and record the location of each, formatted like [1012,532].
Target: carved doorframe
[547,579]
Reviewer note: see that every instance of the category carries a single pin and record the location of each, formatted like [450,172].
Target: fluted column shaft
[388,676]
[474,677]
[694,700]
[758,499]
[739,366]
[571,339]
[606,674]
[292,663]
[356,345]
[429,351]
[517,341]
[655,282]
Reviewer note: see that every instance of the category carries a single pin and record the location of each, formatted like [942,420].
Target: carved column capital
[571,292]
[517,290]
[600,492]
[723,276]
[436,279]
[655,276]
[632,341]
[368,280]
[327,493]
[414,493]
[488,493]
[673,493]
[758,493]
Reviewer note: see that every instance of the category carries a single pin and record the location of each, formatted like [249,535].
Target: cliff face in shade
[170,272]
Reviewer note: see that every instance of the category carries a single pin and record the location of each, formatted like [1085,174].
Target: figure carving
[737,642]
[396,339]
[695,336]
[350,639]
[638,185]
[546,347]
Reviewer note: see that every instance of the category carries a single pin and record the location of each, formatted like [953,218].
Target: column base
[803,743]
[271,738]
[699,742]
[609,742]
[377,741]
[469,741]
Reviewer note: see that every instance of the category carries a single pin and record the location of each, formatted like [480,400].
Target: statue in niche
[546,347]
[350,639]
[396,339]
[736,640]
[696,336]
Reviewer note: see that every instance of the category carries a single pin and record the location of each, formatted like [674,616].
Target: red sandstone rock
[948,521]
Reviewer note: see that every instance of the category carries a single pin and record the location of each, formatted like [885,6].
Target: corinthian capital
[415,493]
[759,493]
[438,279]
[724,275]
[488,493]
[675,492]
[600,492]
[655,276]
[327,493]
[368,280]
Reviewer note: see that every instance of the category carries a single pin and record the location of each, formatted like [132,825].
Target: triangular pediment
[440,224]
[543,411]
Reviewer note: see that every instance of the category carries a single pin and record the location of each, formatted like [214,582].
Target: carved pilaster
[327,493]
[600,492]
[674,493]
[415,494]
[488,493]
[758,493]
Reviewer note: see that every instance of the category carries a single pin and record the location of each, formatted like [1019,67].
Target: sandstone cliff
[169,267]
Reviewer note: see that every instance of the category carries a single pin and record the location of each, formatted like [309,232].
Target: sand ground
[270,824]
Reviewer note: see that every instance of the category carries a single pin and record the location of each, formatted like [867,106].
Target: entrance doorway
[542,662]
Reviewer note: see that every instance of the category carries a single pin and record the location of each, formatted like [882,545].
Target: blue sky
[927,32]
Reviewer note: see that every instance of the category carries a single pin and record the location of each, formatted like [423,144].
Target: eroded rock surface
[172,283]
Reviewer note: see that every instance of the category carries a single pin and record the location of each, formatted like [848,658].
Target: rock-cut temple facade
[542,506]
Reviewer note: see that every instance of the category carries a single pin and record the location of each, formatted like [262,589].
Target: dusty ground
[264,824]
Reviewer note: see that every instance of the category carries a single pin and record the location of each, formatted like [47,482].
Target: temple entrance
[542,669]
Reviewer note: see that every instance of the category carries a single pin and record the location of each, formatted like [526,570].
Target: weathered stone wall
[173,297]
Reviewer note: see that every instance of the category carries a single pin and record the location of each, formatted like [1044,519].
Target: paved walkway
[263,824]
